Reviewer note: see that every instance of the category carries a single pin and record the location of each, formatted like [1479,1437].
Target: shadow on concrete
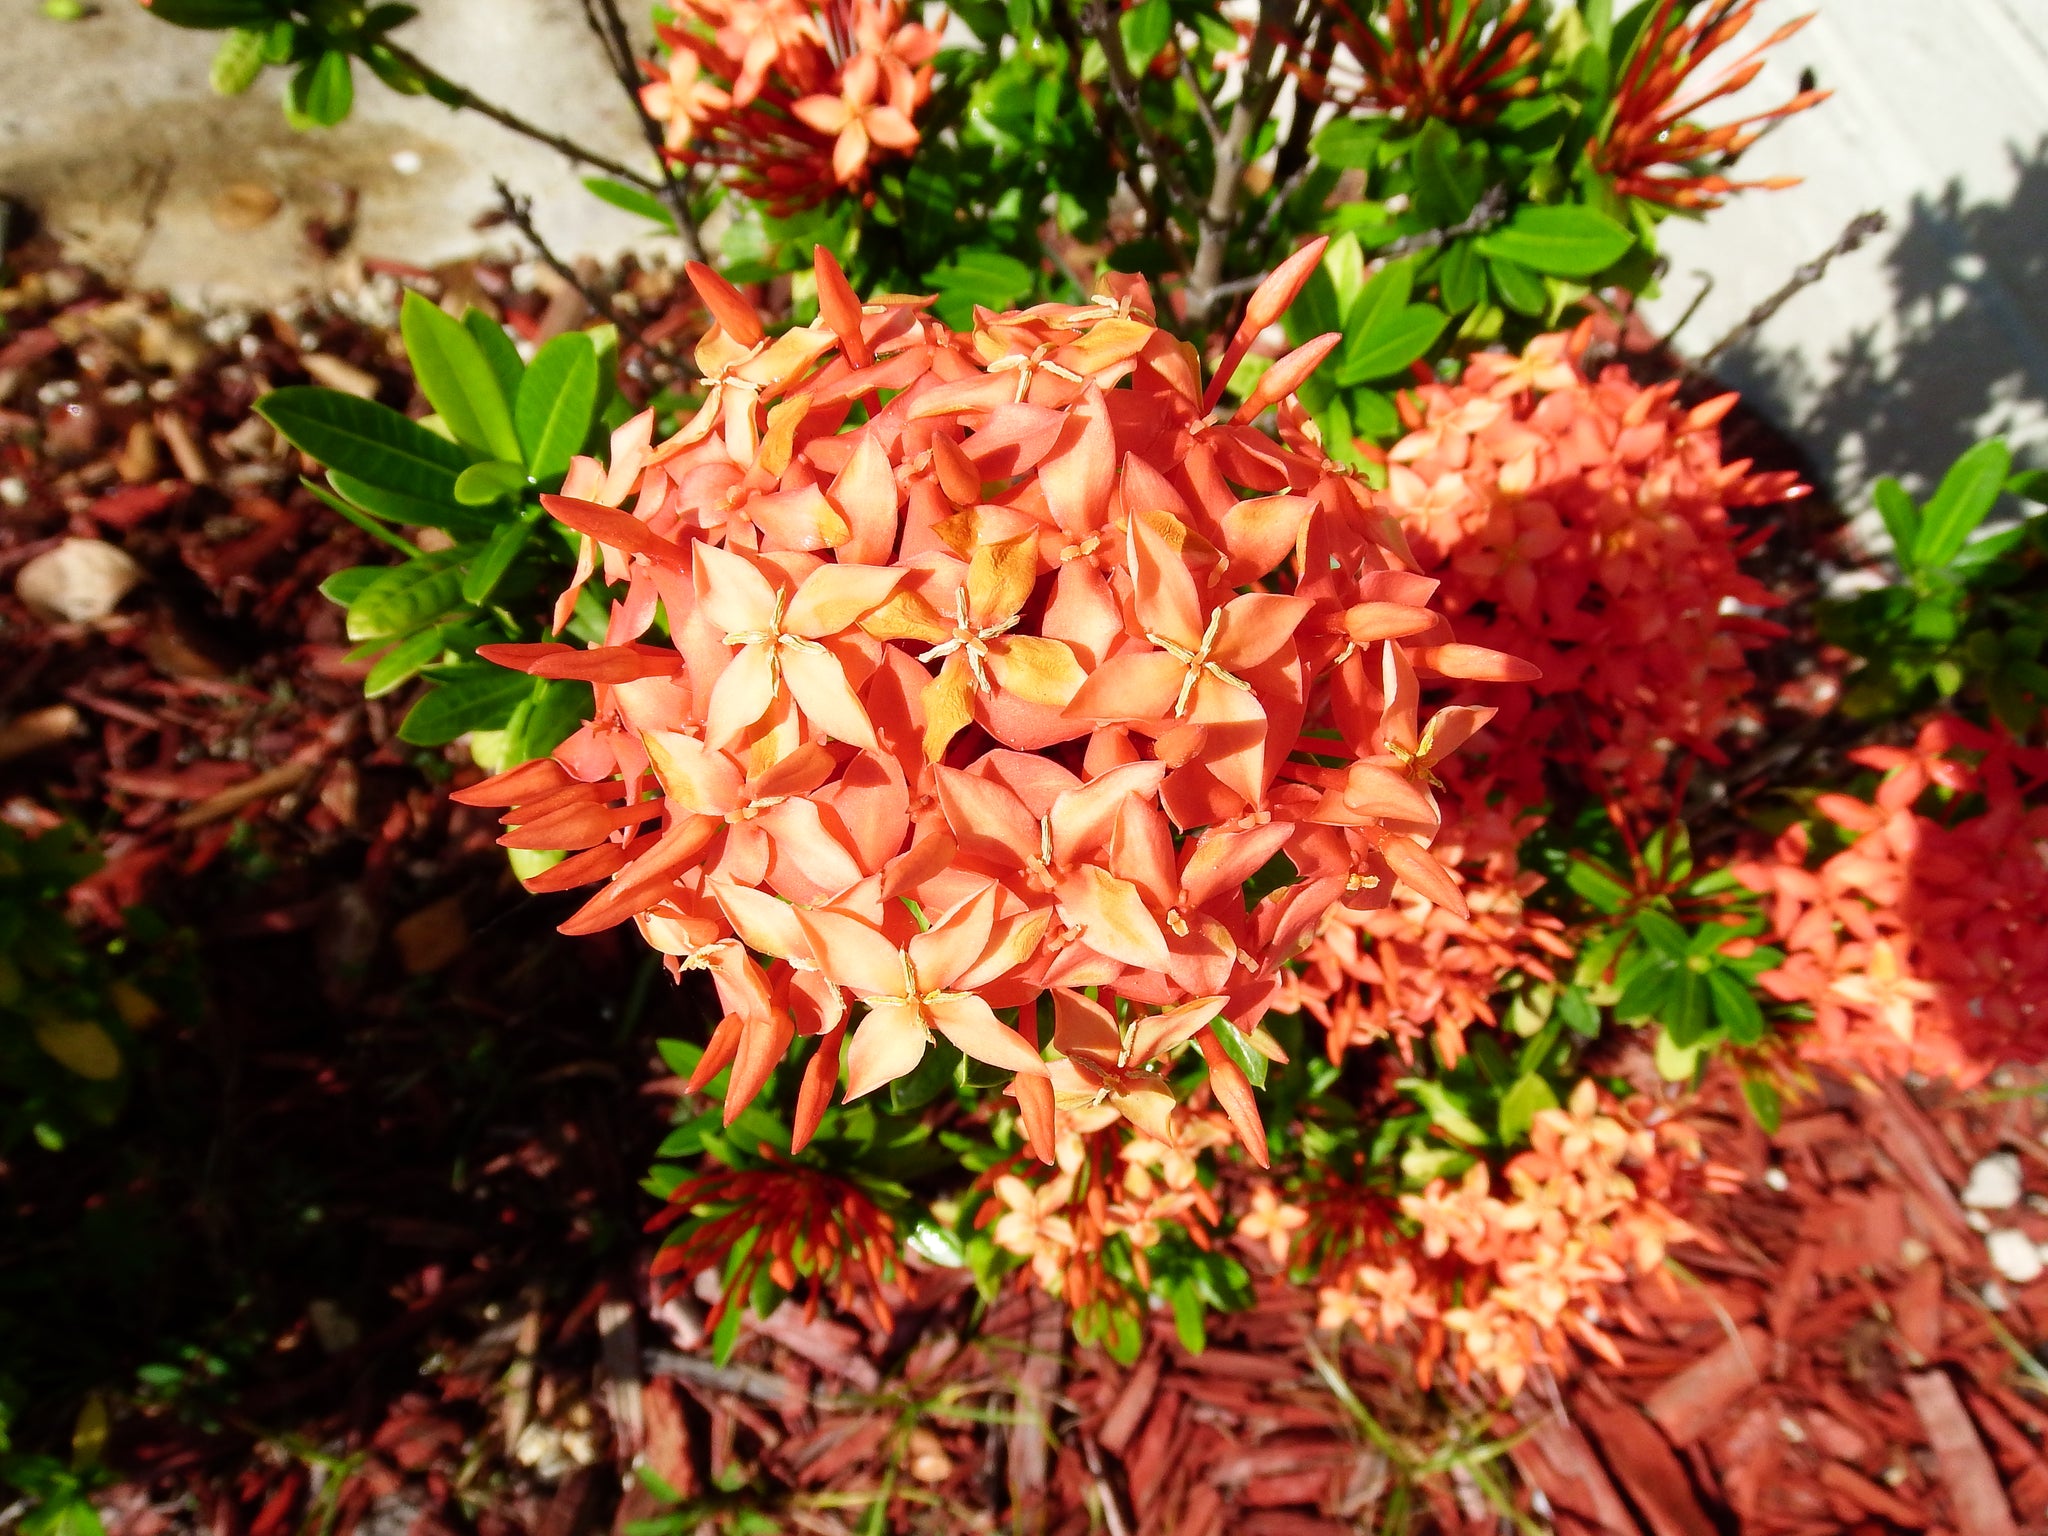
[1967,353]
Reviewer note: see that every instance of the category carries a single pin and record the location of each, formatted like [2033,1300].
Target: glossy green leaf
[1563,241]
[630,200]
[1965,495]
[1351,143]
[1449,176]
[1901,517]
[482,484]
[1597,885]
[1520,289]
[472,696]
[1145,27]
[422,648]
[555,404]
[1662,933]
[344,587]
[504,547]
[2029,485]
[1446,1110]
[498,350]
[553,713]
[1461,277]
[1764,1103]
[324,89]
[1391,345]
[368,442]
[1735,1006]
[1578,1013]
[212,15]
[1519,1105]
[403,597]
[237,62]
[457,379]
[415,511]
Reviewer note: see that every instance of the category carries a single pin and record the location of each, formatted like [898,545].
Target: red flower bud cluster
[952,673]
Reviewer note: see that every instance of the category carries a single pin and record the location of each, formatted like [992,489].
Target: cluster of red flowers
[1500,1285]
[1919,946]
[1008,687]
[1583,525]
[791,99]
[1444,60]
[1651,148]
[800,1226]
[1409,970]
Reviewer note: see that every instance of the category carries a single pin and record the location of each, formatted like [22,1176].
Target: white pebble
[1774,1178]
[2013,1255]
[1994,1183]
[407,162]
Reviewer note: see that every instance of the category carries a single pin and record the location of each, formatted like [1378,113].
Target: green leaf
[1901,518]
[481,484]
[1676,1063]
[1520,289]
[456,379]
[1446,1110]
[1597,885]
[1448,176]
[555,403]
[1578,1013]
[2029,485]
[504,547]
[1461,279]
[324,89]
[1145,27]
[1250,1061]
[1563,241]
[212,15]
[631,200]
[404,597]
[1351,143]
[1980,554]
[414,511]
[237,62]
[421,648]
[977,276]
[1662,933]
[1764,1103]
[1735,1006]
[363,520]
[1518,1107]
[1647,991]
[344,587]
[370,443]
[1344,263]
[1188,1316]
[555,711]
[1391,345]
[470,696]
[498,350]
[1966,494]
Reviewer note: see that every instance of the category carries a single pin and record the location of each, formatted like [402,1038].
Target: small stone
[1994,1183]
[1994,1297]
[79,582]
[407,162]
[244,206]
[2013,1255]
[1775,1179]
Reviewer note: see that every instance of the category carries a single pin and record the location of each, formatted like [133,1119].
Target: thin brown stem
[610,27]
[1233,153]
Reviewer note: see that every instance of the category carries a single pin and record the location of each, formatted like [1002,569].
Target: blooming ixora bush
[1037,688]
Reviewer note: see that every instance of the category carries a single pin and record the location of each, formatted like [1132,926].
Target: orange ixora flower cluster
[1109,1180]
[1432,59]
[791,99]
[1919,946]
[1583,524]
[1652,148]
[1011,686]
[1412,970]
[1500,1283]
